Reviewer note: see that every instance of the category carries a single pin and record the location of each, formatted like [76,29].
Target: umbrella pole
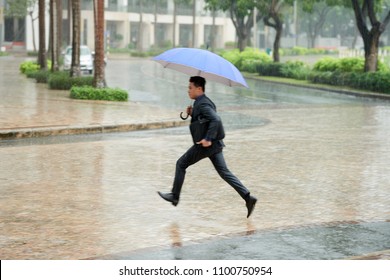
[183,118]
[182,113]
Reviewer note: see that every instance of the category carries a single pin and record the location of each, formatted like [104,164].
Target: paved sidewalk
[28,109]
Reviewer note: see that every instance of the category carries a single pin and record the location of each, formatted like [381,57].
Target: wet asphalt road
[317,161]
[316,242]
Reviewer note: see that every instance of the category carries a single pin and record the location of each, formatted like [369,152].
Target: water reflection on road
[311,157]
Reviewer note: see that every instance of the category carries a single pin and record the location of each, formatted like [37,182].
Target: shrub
[320,77]
[375,81]
[295,69]
[299,50]
[270,69]
[62,80]
[348,64]
[326,64]
[31,66]
[32,53]
[233,56]
[305,51]
[59,80]
[82,81]
[341,78]
[250,65]
[92,93]
[372,81]
[28,66]
[354,64]
[41,76]
[138,54]
[246,60]
[230,45]
[251,53]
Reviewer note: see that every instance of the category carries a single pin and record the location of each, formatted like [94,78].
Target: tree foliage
[241,14]
[18,8]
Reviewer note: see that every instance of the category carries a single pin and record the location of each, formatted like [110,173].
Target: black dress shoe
[169,197]
[250,204]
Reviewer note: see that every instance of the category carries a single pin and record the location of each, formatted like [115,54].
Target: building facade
[144,24]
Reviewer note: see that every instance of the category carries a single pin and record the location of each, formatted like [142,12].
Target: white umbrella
[198,62]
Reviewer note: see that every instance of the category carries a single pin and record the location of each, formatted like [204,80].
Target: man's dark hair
[198,82]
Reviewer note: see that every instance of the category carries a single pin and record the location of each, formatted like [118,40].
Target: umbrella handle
[184,118]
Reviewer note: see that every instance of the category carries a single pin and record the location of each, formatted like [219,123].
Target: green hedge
[270,69]
[296,70]
[348,64]
[62,80]
[28,66]
[372,81]
[91,93]
[40,76]
[248,60]
[337,72]
[292,69]
[305,51]
[344,64]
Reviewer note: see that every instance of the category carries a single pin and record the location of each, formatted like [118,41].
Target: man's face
[193,91]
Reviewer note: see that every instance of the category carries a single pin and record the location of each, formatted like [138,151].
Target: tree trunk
[193,43]
[213,32]
[371,46]
[99,77]
[75,67]
[140,39]
[59,28]
[277,24]
[242,41]
[174,24]
[42,36]
[317,21]
[53,35]
[33,31]
[370,37]
[243,27]
[69,31]
[278,36]
[155,24]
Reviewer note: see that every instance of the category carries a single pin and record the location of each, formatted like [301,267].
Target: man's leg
[192,156]
[219,163]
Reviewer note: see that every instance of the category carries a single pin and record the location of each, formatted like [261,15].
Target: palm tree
[174,22]
[99,77]
[42,36]
[76,14]
[55,33]
[193,23]
[140,38]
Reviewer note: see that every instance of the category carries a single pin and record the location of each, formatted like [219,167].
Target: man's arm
[209,113]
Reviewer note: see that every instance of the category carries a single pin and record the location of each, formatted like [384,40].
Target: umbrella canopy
[198,62]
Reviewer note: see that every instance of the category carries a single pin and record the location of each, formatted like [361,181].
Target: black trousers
[214,153]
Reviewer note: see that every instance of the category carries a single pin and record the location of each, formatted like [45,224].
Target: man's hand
[204,143]
[189,110]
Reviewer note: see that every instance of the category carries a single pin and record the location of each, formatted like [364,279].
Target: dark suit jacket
[205,111]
